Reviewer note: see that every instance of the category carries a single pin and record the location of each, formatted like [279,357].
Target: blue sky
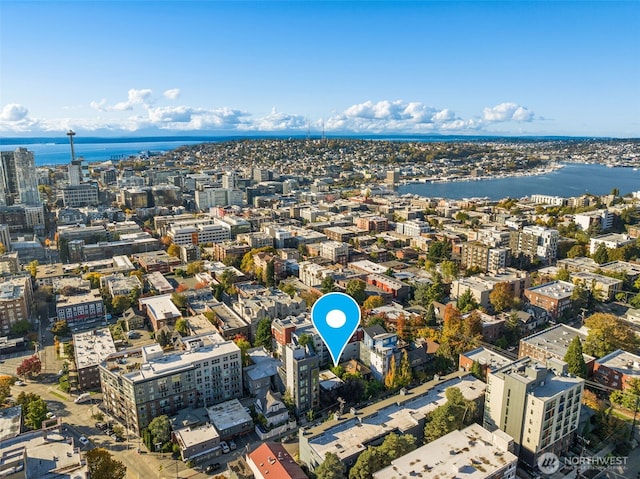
[166,67]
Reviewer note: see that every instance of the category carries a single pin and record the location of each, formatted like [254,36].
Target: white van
[82,398]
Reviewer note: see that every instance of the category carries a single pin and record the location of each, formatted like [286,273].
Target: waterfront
[573,179]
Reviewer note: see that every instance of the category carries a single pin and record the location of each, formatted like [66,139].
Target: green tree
[102,465]
[476,370]
[453,415]
[36,412]
[576,251]
[397,445]
[466,302]
[355,288]
[369,461]
[430,316]
[327,284]
[563,275]
[182,326]
[180,300]
[439,251]
[163,338]
[160,429]
[607,334]
[426,293]
[575,360]
[450,270]
[331,468]
[390,380]
[601,254]
[263,334]
[227,280]
[20,328]
[119,304]
[270,274]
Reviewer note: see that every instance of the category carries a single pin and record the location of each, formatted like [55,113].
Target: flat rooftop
[349,435]
[92,347]
[192,436]
[556,340]
[229,414]
[488,358]
[626,363]
[554,289]
[472,453]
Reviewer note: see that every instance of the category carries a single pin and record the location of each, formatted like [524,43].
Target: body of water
[49,153]
[574,179]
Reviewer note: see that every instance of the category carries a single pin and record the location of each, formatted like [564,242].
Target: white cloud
[172,94]
[396,116]
[277,121]
[14,113]
[507,112]
[134,97]
[384,116]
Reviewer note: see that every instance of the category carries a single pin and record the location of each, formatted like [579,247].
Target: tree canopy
[102,465]
[263,334]
[575,359]
[355,288]
[501,298]
[160,429]
[607,334]
[331,468]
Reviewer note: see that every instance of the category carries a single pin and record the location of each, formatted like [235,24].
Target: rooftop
[272,460]
[92,347]
[473,453]
[626,363]
[554,289]
[227,415]
[348,435]
[556,340]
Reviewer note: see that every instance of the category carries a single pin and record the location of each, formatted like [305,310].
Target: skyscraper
[18,178]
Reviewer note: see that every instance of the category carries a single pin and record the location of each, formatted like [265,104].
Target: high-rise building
[537,405]
[535,242]
[300,375]
[141,385]
[18,178]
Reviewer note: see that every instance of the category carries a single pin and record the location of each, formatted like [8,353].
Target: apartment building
[537,404]
[535,242]
[349,434]
[84,307]
[16,299]
[617,369]
[90,349]
[300,375]
[552,343]
[553,297]
[138,385]
[473,451]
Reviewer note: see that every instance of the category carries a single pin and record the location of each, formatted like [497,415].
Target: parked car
[212,467]
[50,415]
[83,440]
[232,445]
[100,425]
[19,383]
[225,447]
[82,398]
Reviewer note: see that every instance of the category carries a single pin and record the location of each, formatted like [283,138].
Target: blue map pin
[336,317]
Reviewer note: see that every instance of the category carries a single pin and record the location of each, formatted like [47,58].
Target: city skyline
[244,68]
